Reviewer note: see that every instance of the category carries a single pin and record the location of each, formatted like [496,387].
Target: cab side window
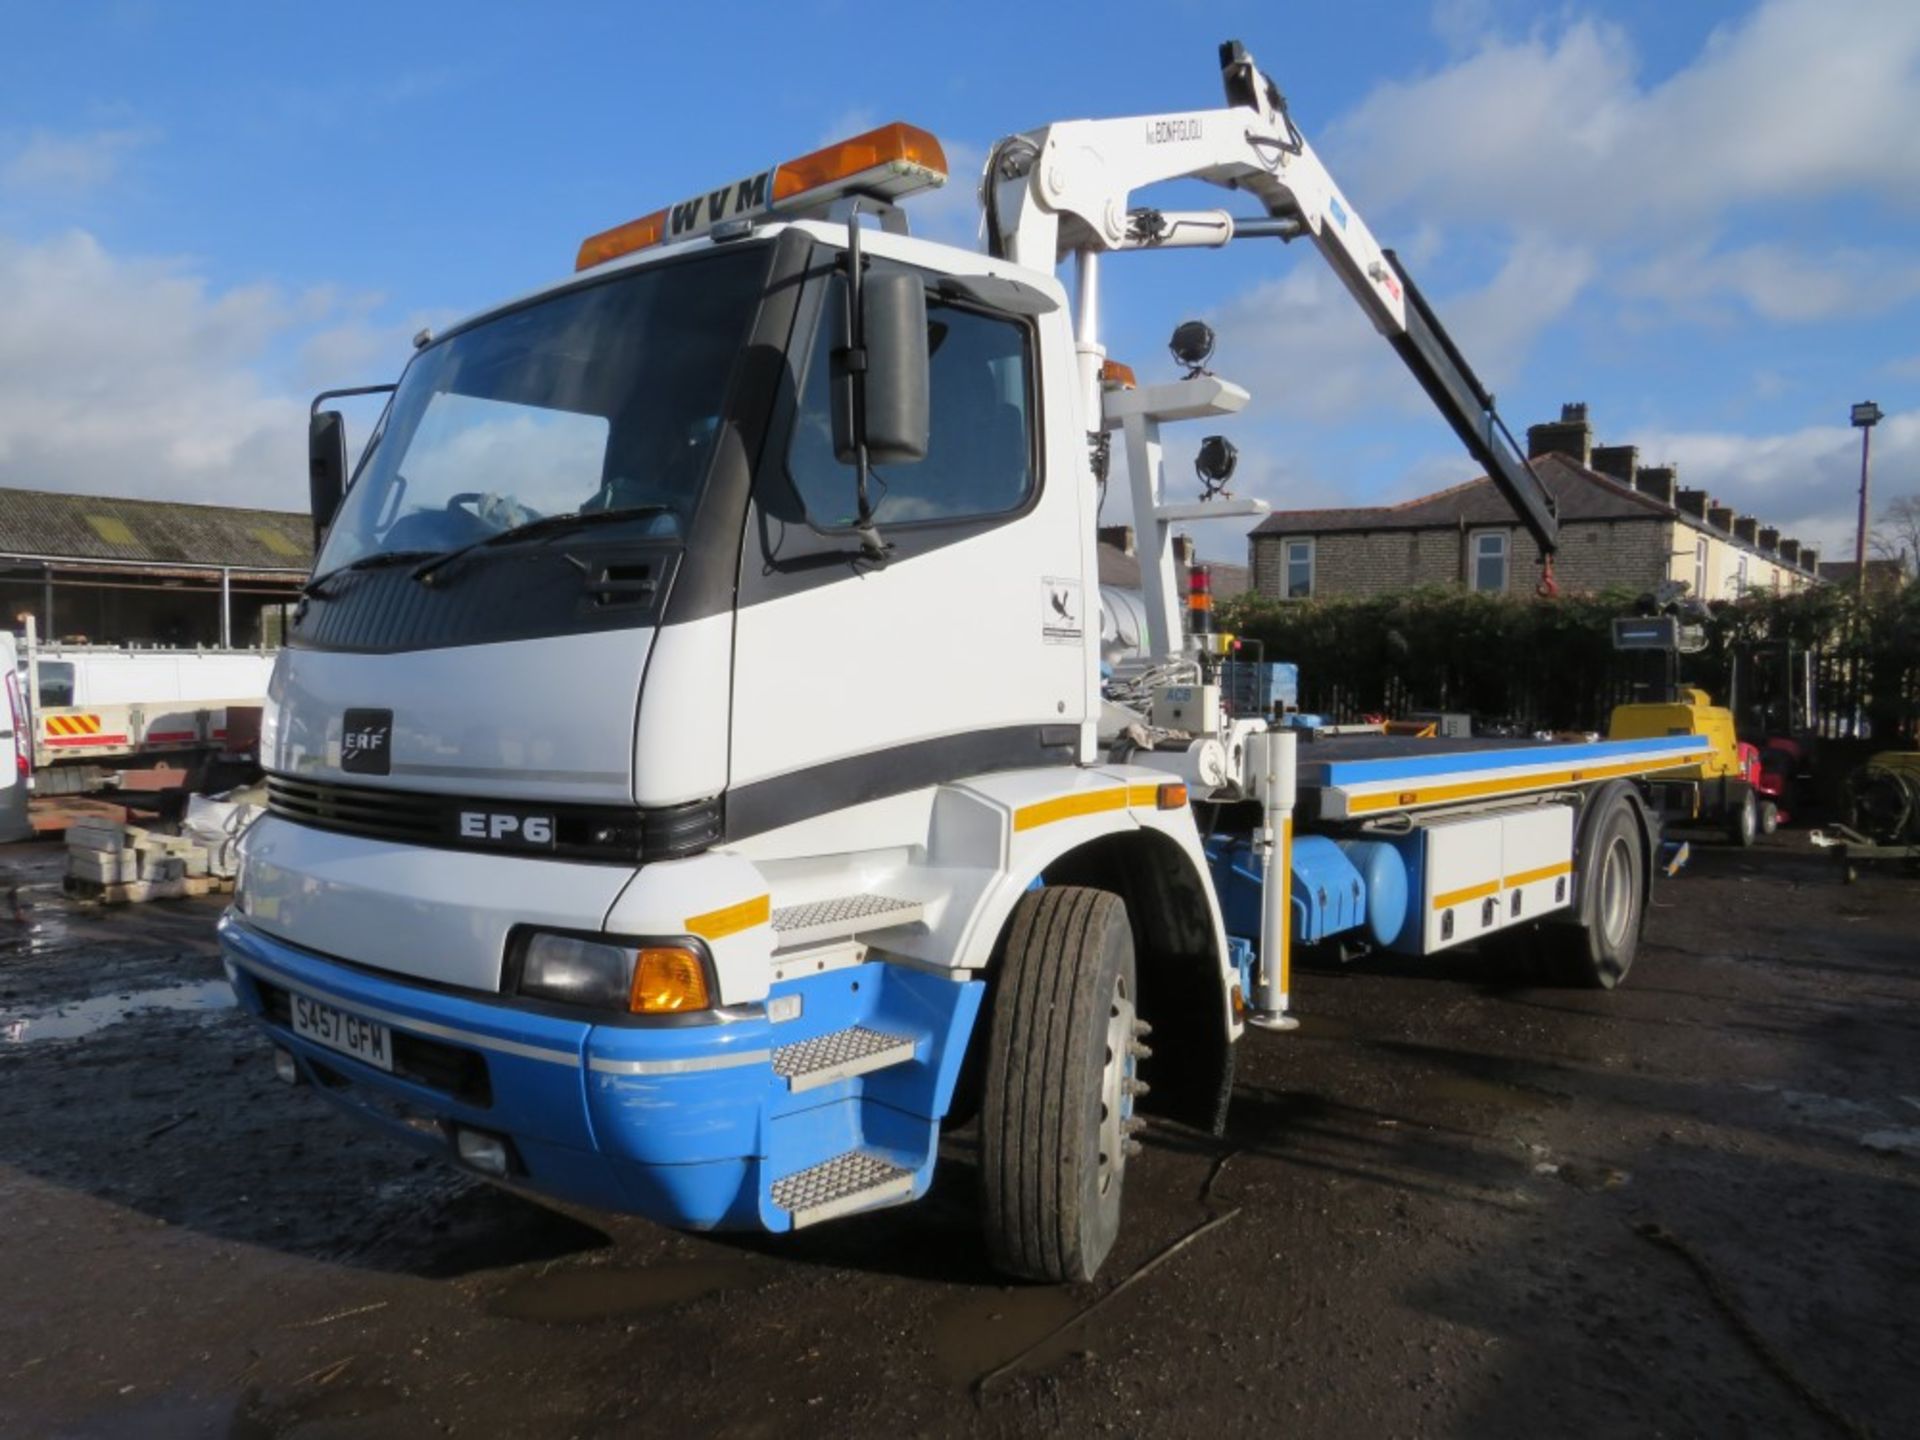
[980,448]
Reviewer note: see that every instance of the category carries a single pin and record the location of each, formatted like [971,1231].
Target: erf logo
[502,829]
[366,742]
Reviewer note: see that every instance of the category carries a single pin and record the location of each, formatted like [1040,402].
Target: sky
[1701,219]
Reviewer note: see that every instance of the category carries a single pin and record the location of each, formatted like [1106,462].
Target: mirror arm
[325,395]
[871,544]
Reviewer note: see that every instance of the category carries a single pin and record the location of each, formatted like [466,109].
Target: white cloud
[1806,482]
[951,214]
[1308,351]
[44,160]
[1796,102]
[135,377]
[1777,282]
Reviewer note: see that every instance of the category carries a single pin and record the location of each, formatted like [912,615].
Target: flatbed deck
[1352,777]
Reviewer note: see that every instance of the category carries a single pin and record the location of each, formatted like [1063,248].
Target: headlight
[639,978]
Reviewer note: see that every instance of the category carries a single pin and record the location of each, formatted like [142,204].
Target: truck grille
[620,834]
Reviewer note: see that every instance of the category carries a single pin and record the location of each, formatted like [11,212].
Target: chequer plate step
[856,1050]
[841,917]
[854,1181]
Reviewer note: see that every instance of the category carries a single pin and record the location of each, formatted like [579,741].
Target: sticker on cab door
[1061,617]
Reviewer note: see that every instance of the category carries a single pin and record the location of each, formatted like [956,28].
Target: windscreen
[606,397]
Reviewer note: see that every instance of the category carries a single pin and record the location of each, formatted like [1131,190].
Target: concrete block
[107,835]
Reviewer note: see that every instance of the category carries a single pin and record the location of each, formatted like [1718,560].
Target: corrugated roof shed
[47,525]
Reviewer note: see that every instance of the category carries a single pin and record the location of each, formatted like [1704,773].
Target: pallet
[135,892]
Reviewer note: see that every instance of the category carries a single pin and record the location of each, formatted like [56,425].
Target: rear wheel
[1057,1112]
[1769,817]
[1599,950]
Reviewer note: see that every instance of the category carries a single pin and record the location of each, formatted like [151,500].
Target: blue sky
[1700,218]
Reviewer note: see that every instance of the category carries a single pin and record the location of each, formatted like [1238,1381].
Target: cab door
[965,650]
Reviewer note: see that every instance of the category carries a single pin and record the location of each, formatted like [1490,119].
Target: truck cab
[691,808]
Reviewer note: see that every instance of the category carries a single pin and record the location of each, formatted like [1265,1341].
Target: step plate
[808,1064]
[837,918]
[840,1186]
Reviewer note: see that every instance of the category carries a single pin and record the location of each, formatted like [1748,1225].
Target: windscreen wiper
[315,589]
[546,525]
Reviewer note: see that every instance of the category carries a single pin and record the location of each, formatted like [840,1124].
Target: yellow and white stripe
[1086,802]
[1447,899]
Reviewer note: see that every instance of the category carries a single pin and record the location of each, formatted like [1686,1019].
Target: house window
[1490,561]
[1737,583]
[1700,568]
[1298,579]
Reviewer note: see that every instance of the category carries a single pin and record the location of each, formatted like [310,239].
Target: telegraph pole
[1866,415]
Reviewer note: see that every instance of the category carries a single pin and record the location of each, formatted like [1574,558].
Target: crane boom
[1066,189]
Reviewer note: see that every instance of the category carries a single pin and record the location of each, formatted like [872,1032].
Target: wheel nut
[1142,1029]
[1131,1086]
[1133,1148]
[1139,1051]
[1133,1125]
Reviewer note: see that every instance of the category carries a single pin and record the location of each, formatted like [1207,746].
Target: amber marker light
[668,980]
[893,161]
[896,149]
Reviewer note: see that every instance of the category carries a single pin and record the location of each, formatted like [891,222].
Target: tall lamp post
[1866,415]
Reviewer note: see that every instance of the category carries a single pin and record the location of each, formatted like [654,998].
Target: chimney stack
[1790,551]
[1183,550]
[1745,528]
[1622,462]
[1810,561]
[1719,516]
[1694,502]
[1120,537]
[1571,435]
[1658,481]
[1770,539]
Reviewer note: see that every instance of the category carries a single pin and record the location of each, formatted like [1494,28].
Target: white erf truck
[690,781]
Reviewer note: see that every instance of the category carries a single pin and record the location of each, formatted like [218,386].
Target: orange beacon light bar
[887,163]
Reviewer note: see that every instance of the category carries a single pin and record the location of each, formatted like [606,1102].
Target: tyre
[1598,952]
[1744,823]
[1769,817]
[1058,1105]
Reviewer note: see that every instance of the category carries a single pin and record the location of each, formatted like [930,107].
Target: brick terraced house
[1622,526]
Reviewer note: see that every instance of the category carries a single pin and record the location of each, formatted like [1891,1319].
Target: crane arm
[1067,188]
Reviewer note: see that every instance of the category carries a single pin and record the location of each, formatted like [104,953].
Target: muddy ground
[1448,1206]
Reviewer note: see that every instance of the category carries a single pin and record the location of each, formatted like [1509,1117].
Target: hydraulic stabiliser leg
[1272,755]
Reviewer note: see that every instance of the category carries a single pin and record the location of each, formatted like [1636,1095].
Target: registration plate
[353,1035]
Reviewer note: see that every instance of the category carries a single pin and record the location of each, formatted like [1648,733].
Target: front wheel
[1056,1118]
[1769,817]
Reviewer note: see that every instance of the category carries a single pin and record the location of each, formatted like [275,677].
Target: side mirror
[326,468]
[881,387]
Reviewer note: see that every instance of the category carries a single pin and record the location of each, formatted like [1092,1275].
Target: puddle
[982,1332]
[578,1297]
[85,1017]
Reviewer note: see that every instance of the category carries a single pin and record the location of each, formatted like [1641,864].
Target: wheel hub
[1116,1094]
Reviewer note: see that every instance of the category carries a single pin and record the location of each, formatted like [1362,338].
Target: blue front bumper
[688,1125]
